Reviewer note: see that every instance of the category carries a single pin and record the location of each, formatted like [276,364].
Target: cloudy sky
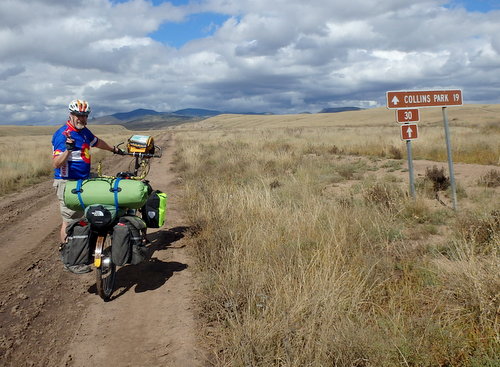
[280,56]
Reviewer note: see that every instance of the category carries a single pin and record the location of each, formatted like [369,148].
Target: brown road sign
[420,98]
[408,115]
[409,131]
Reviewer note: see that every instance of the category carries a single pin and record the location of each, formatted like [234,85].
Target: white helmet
[79,107]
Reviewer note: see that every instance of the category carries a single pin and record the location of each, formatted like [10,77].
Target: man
[71,145]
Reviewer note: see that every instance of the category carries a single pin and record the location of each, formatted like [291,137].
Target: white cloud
[280,56]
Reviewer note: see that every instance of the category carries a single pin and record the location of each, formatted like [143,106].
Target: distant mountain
[197,112]
[160,121]
[150,119]
[144,119]
[124,116]
[339,109]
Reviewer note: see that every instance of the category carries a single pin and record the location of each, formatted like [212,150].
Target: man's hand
[70,144]
[118,151]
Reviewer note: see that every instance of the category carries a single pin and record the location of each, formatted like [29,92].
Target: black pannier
[77,250]
[127,244]
[120,244]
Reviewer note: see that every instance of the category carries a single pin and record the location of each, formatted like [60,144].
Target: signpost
[406,104]
[409,132]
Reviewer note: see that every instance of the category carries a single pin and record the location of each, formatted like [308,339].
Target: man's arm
[60,159]
[62,145]
[101,144]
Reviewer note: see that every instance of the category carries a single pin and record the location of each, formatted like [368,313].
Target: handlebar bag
[76,251]
[153,212]
[119,192]
[141,144]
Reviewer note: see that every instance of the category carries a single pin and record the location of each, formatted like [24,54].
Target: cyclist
[71,161]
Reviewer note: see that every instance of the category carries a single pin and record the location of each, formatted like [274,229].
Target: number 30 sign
[408,115]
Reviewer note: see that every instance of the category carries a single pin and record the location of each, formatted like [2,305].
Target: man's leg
[64,225]
[67,214]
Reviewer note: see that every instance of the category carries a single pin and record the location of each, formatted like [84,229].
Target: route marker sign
[408,115]
[405,102]
[420,98]
[409,132]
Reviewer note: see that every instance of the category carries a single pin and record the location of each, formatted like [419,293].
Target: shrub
[383,195]
[438,178]
[395,152]
[490,179]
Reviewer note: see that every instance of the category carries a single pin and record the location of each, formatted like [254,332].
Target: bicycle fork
[98,251]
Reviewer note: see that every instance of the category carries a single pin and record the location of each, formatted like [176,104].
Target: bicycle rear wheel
[105,269]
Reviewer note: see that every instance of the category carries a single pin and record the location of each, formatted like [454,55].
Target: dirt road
[50,317]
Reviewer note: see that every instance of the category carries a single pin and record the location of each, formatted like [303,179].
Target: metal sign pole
[410,168]
[450,158]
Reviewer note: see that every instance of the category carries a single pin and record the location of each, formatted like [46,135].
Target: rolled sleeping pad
[123,193]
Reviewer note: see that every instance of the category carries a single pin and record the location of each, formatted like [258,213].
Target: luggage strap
[79,193]
[116,190]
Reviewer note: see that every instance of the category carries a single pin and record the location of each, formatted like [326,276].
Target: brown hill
[468,115]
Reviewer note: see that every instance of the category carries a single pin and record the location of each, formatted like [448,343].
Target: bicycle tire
[105,269]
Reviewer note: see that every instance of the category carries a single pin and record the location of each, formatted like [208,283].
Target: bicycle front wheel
[140,168]
[105,269]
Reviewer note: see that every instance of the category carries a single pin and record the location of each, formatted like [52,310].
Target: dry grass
[25,153]
[474,130]
[312,257]
[490,179]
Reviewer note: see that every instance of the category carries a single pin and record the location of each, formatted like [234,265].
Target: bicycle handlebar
[143,155]
[141,159]
[157,153]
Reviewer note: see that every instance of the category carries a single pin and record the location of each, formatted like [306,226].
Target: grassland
[475,132]
[312,254]
[26,151]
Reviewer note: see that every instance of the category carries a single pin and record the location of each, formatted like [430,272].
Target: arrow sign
[409,132]
[408,115]
[421,98]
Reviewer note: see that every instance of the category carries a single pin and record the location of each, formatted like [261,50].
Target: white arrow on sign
[395,100]
[409,131]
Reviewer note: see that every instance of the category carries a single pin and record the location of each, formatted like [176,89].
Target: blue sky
[195,26]
[279,56]
[480,5]
[200,25]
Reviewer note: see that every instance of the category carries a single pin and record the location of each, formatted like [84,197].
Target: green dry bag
[122,193]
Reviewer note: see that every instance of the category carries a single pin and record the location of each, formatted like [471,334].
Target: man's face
[78,121]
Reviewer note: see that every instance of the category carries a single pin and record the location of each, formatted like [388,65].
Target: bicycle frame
[141,160]
[105,268]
